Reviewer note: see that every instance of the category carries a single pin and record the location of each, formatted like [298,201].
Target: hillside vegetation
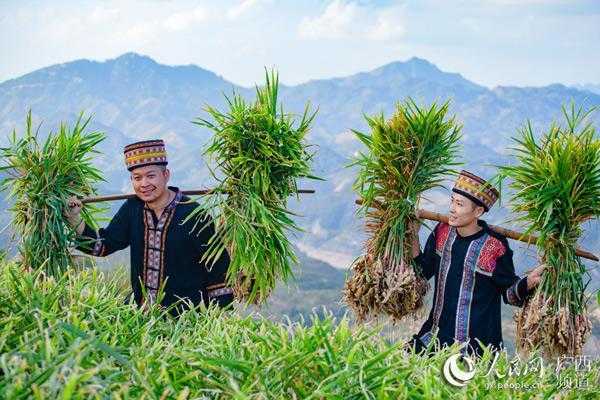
[74,337]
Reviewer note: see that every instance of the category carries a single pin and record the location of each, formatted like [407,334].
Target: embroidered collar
[155,239]
[484,229]
[176,199]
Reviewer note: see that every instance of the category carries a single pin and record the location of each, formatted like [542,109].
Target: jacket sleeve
[216,289]
[428,260]
[107,240]
[512,287]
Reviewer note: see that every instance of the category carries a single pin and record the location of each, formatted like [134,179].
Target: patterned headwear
[146,152]
[476,189]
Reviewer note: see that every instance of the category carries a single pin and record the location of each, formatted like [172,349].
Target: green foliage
[260,153]
[406,155]
[73,337]
[40,176]
[556,187]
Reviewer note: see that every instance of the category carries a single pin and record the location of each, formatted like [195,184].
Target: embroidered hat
[477,189]
[146,152]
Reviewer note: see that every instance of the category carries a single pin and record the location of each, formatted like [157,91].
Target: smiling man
[473,271]
[163,251]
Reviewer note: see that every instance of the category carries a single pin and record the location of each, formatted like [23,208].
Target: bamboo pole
[114,197]
[530,239]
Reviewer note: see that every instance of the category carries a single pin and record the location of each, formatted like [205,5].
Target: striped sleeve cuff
[517,293]
[95,246]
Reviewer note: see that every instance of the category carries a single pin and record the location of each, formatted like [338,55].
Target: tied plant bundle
[39,175]
[556,186]
[406,155]
[261,153]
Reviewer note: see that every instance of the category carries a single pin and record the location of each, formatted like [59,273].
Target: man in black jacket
[163,251]
[473,270]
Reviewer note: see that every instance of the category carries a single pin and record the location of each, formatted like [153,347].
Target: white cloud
[241,8]
[345,138]
[346,19]
[174,140]
[387,26]
[102,14]
[141,32]
[337,21]
[236,38]
[181,21]
[523,2]
[147,30]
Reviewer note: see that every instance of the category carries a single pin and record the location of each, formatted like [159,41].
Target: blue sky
[492,42]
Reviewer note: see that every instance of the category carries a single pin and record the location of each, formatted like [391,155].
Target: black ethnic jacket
[472,275]
[163,252]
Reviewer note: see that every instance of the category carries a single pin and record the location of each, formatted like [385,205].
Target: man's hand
[535,276]
[73,214]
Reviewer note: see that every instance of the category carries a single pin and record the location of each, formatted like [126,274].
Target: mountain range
[132,97]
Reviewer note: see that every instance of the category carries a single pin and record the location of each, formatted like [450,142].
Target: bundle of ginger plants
[408,154]
[261,153]
[39,175]
[556,188]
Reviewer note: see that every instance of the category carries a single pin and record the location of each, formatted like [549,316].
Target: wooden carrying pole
[530,239]
[114,197]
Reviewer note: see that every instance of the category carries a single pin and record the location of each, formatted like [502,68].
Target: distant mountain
[490,118]
[132,97]
[593,88]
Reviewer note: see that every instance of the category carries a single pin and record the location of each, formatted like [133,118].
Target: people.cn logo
[454,373]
